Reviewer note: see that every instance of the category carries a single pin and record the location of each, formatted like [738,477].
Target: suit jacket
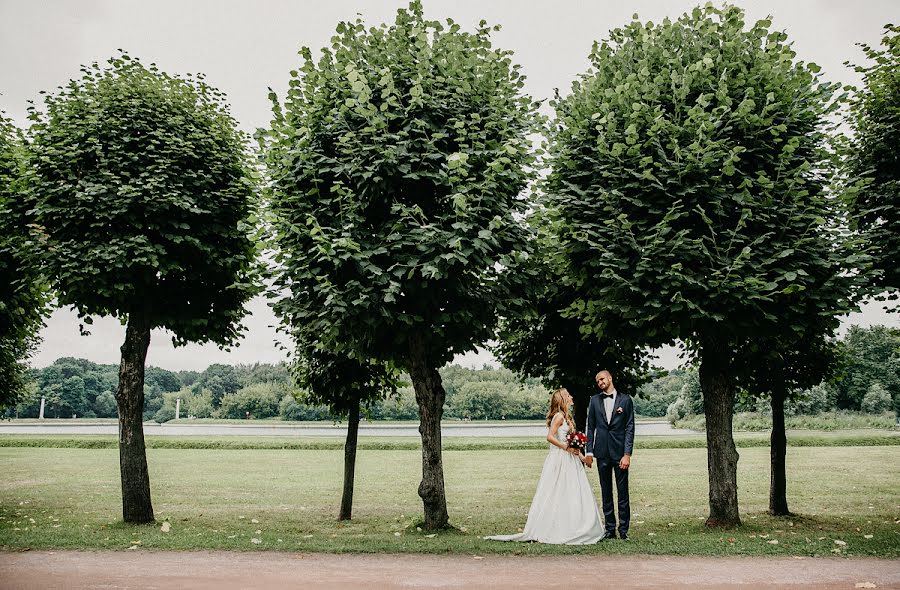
[610,440]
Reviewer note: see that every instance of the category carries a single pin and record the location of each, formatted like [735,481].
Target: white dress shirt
[608,404]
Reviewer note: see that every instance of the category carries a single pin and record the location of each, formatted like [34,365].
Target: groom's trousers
[607,469]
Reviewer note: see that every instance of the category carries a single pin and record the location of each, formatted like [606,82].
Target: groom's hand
[625,462]
[589,460]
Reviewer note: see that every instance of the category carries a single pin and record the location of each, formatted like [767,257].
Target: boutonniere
[619,410]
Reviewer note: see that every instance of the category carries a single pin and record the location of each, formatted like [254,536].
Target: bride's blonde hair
[558,404]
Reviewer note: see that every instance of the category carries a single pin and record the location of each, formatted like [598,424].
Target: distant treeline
[73,386]
[869,382]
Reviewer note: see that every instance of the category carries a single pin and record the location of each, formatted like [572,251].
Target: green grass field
[797,438]
[846,498]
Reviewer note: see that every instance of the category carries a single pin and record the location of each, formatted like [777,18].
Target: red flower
[576,440]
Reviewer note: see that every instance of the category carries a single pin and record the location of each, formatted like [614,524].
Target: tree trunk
[718,404]
[350,461]
[778,451]
[136,505]
[430,396]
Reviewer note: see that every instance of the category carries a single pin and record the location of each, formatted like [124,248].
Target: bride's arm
[551,432]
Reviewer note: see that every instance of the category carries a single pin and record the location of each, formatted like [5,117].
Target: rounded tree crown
[690,168]
[144,194]
[396,164]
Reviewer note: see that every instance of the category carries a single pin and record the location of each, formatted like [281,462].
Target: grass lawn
[797,438]
[847,499]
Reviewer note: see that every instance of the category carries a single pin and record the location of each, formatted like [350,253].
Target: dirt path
[225,570]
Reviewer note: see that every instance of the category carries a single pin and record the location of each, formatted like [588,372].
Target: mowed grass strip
[846,497]
[796,438]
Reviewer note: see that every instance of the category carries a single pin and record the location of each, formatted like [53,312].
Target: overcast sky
[245,47]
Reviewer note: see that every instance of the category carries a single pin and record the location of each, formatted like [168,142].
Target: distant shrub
[164,414]
[877,400]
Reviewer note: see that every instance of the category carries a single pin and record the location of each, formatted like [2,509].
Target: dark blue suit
[608,442]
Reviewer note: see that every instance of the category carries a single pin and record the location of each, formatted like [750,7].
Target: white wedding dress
[563,510]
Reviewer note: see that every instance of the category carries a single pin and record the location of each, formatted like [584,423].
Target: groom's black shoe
[608,536]
[623,536]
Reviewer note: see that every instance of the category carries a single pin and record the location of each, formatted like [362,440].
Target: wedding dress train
[563,510]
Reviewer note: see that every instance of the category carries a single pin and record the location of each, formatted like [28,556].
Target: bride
[563,510]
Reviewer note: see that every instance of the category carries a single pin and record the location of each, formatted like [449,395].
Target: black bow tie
[609,395]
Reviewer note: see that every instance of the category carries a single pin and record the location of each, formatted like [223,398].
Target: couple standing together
[564,510]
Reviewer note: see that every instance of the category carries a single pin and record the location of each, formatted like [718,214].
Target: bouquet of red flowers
[576,440]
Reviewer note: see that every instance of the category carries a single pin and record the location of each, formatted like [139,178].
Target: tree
[23,298]
[877,400]
[689,188]
[873,158]
[544,341]
[872,355]
[142,191]
[345,385]
[781,370]
[396,165]
[220,379]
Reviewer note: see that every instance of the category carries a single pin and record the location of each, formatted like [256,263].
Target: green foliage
[872,158]
[400,406]
[815,400]
[220,380]
[341,382]
[877,400]
[164,414]
[23,298]
[396,164]
[261,400]
[141,189]
[872,355]
[653,398]
[544,341]
[291,409]
[689,185]
[105,405]
[690,398]
[196,404]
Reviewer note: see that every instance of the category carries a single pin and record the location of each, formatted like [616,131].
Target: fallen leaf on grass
[431,536]
[255,541]
[477,557]
[132,547]
[772,542]
[254,521]
[396,534]
[166,527]
[868,536]
[840,543]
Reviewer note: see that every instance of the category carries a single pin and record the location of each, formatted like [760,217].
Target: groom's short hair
[604,371]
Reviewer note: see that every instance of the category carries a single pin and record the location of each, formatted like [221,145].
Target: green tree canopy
[396,164]
[141,188]
[874,156]
[690,168]
[23,298]
[546,341]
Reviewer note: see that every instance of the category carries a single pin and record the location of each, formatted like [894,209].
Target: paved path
[227,570]
[462,429]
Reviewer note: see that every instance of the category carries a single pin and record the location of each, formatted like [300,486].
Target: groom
[610,438]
